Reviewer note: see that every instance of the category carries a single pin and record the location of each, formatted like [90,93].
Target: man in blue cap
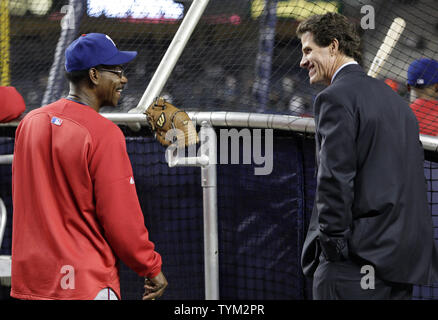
[76,210]
[423,83]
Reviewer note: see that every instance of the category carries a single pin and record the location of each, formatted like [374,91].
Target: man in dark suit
[370,234]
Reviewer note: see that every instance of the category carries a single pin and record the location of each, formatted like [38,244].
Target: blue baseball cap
[93,49]
[423,72]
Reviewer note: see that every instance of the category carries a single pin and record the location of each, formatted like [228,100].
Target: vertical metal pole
[209,185]
[3,217]
[268,22]
[207,160]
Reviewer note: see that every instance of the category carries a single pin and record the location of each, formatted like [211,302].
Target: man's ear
[94,76]
[334,46]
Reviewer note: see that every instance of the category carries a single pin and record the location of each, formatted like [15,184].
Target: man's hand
[154,287]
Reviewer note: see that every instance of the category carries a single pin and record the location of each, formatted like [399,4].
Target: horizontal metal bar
[429,143]
[188,161]
[242,119]
[255,120]
[5,266]
[121,118]
[6,158]
[118,118]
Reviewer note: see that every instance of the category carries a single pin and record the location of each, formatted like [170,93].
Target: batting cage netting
[243,56]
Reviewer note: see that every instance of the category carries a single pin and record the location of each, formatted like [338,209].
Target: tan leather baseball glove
[163,117]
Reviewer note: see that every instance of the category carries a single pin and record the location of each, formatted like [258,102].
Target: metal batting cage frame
[290,131]
[206,159]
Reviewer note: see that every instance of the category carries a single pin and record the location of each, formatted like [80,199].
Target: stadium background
[242,58]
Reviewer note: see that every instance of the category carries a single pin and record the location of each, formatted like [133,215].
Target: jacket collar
[346,70]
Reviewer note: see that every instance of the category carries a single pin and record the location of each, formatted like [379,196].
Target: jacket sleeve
[336,134]
[117,205]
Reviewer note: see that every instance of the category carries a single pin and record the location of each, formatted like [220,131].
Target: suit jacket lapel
[346,70]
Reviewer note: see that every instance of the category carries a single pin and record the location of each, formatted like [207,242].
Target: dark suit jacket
[371,202]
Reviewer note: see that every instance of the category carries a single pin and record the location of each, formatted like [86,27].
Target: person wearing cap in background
[11,104]
[76,210]
[423,86]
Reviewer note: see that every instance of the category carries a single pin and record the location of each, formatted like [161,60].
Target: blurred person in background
[230,90]
[296,103]
[12,104]
[423,86]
